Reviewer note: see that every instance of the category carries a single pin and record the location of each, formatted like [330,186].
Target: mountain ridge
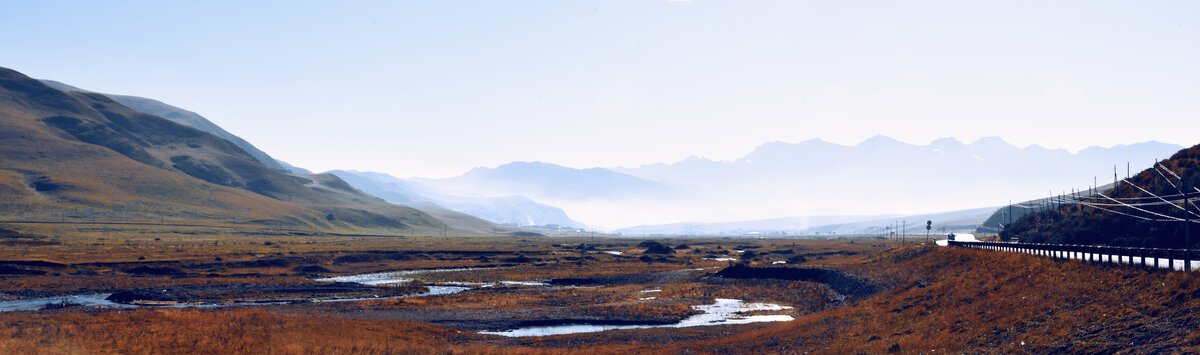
[966,220]
[541,180]
[182,116]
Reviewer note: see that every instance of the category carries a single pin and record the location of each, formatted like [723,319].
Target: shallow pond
[388,277]
[433,291]
[34,304]
[394,277]
[725,311]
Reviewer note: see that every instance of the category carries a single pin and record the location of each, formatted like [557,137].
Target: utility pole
[1187,225]
[903,231]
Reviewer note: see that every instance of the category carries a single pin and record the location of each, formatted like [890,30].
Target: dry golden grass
[240,331]
[618,301]
[970,301]
[77,284]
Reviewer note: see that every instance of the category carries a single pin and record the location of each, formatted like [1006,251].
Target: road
[1175,264]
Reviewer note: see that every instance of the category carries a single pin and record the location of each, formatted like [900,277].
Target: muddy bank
[851,287]
[475,320]
[252,293]
[662,277]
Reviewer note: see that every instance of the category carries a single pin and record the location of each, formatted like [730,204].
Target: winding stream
[373,279]
[723,312]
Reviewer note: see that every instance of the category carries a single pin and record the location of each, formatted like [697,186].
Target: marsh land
[161,289]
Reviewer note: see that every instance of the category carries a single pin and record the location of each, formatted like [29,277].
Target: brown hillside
[950,300]
[82,153]
[1080,224]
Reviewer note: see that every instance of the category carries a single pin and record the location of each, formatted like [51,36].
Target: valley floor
[208,292]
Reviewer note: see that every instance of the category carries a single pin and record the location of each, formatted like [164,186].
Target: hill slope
[181,116]
[70,152]
[1107,222]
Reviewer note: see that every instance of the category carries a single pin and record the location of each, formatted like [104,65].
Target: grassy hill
[1077,223]
[181,116]
[72,153]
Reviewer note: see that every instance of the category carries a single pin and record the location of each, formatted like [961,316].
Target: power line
[1165,177]
[1163,199]
[1169,171]
[1143,210]
[1118,212]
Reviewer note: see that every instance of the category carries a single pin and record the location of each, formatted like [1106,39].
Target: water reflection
[383,278]
[725,311]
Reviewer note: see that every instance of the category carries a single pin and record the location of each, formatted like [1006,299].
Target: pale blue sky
[433,88]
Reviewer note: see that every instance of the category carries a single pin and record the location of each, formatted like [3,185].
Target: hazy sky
[433,88]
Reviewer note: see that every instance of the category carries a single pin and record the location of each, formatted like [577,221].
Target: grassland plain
[932,299]
[195,261]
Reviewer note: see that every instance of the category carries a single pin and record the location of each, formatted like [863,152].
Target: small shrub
[656,248]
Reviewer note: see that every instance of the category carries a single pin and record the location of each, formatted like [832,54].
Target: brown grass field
[933,299]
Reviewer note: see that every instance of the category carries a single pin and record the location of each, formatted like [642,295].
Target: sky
[434,88]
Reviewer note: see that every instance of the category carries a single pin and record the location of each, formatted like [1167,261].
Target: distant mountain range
[953,221]
[886,157]
[785,182]
[549,181]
